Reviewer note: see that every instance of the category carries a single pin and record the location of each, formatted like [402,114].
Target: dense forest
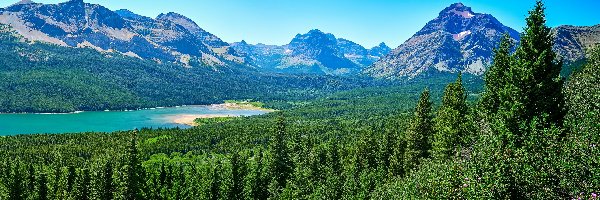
[530,134]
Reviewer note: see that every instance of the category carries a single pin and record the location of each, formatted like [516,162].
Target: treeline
[529,136]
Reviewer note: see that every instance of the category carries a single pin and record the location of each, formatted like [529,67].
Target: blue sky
[367,22]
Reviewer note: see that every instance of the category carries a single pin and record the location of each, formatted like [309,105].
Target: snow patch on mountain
[465,14]
[461,35]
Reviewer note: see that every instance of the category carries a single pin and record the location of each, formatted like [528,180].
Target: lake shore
[238,106]
[189,119]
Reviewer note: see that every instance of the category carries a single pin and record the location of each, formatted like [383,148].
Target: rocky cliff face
[313,52]
[168,38]
[572,42]
[458,40]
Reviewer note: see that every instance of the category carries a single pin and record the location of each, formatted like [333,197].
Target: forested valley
[530,134]
[48,78]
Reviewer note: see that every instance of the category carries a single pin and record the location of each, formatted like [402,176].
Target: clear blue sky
[367,22]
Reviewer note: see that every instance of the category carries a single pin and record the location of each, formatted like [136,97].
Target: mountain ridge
[312,52]
[168,38]
[457,40]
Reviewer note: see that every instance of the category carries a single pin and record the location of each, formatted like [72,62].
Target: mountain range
[313,52]
[457,40]
[167,38]
[460,40]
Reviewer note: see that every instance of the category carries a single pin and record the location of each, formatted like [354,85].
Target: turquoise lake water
[106,121]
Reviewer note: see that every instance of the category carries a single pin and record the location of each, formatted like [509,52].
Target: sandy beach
[189,119]
[237,106]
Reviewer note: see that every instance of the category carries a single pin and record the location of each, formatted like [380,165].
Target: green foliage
[281,164]
[496,76]
[132,172]
[581,173]
[535,72]
[368,143]
[214,120]
[451,122]
[419,133]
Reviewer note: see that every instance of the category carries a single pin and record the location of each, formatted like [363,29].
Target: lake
[108,121]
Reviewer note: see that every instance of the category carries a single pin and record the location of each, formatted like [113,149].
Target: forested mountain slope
[38,77]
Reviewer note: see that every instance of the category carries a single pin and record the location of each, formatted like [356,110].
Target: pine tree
[260,182]
[133,171]
[281,166]
[30,179]
[215,184]
[496,76]
[108,187]
[535,72]
[83,190]
[71,175]
[450,122]
[418,133]
[16,184]
[524,106]
[42,187]
[237,174]
[397,159]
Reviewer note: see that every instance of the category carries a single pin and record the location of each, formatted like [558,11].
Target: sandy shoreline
[236,106]
[189,119]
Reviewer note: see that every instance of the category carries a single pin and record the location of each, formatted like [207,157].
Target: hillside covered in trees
[531,134]
[51,78]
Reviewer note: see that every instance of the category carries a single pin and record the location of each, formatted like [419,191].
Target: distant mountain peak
[458,9]
[23,2]
[80,2]
[382,44]
[458,40]
[172,15]
[315,31]
[128,14]
[182,20]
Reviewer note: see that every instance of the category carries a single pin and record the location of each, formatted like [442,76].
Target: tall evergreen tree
[496,76]
[419,132]
[42,187]
[281,164]
[108,187]
[525,113]
[215,184]
[16,184]
[133,171]
[397,159]
[536,73]
[71,175]
[83,185]
[237,175]
[451,120]
[30,179]
[259,181]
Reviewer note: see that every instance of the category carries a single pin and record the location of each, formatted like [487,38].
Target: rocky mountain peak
[191,26]
[74,3]
[129,14]
[458,40]
[458,9]
[380,50]
[24,2]
[181,20]
[314,39]
[383,45]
